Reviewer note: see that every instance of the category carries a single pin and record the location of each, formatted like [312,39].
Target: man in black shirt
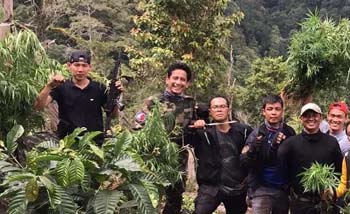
[301,151]
[218,148]
[80,99]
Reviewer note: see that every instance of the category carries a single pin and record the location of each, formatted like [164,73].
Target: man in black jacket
[301,151]
[219,174]
[268,182]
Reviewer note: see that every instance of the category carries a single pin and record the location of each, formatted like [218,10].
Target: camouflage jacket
[177,111]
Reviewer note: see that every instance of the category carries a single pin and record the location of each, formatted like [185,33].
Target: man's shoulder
[329,138]
[244,129]
[241,127]
[294,138]
[288,130]
[97,85]
[188,97]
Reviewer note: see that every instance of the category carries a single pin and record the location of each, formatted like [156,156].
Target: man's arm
[119,86]
[44,98]
[250,150]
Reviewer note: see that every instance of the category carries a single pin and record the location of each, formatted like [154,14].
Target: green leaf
[129,204]
[62,172]
[143,199]
[48,145]
[63,203]
[153,192]
[47,183]
[76,171]
[22,176]
[11,189]
[11,138]
[126,162]
[97,151]
[319,177]
[18,203]
[71,139]
[107,201]
[70,172]
[87,138]
[32,190]
[6,167]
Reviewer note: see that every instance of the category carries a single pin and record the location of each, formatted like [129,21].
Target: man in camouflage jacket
[178,112]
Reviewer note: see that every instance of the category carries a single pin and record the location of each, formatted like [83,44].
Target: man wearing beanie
[301,151]
[336,117]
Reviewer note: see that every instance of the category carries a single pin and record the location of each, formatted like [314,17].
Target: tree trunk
[4,29]
[8,6]
[5,22]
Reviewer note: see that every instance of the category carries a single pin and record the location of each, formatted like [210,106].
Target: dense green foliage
[223,46]
[268,76]
[192,31]
[24,68]
[77,176]
[206,34]
[319,56]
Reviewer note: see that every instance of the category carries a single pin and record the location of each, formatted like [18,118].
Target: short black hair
[271,99]
[182,66]
[218,96]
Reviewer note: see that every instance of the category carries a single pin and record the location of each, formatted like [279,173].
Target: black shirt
[79,107]
[230,164]
[300,151]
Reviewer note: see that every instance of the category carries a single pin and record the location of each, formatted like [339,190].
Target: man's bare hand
[280,137]
[56,80]
[119,85]
[198,124]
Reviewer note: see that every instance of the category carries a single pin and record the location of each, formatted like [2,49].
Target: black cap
[80,56]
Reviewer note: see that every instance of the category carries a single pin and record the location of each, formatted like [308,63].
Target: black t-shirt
[79,107]
[229,164]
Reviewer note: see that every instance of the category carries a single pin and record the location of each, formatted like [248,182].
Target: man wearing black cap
[301,151]
[80,99]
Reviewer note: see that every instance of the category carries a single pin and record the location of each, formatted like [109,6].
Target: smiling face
[311,121]
[336,120]
[79,70]
[219,109]
[273,113]
[177,82]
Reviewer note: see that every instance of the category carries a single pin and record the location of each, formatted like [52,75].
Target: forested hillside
[242,49]
[263,29]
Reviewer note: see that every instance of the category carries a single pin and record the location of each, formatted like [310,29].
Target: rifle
[113,94]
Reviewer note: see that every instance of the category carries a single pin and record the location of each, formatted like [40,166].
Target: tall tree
[192,31]
[268,76]
[101,26]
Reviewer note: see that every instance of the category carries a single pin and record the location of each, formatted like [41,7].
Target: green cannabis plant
[319,177]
